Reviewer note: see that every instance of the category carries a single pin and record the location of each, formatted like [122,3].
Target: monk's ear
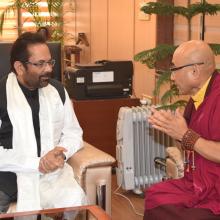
[19,67]
[196,72]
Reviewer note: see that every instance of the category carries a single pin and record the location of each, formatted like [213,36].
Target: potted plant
[161,52]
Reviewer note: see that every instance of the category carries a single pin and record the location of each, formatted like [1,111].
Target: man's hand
[53,160]
[173,124]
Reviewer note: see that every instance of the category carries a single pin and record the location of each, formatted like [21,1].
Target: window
[27,20]
[10,25]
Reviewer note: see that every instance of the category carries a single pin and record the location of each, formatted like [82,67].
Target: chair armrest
[88,157]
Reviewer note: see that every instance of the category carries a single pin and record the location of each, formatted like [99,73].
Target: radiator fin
[137,146]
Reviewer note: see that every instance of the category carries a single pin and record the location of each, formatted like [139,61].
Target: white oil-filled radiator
[138,144]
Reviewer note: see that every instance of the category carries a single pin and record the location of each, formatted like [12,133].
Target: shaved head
[195,51]
[193,64]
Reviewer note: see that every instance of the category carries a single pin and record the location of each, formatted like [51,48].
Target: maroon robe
[198,189]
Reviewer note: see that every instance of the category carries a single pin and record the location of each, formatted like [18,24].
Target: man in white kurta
[38,132]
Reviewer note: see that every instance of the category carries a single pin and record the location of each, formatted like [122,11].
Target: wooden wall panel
[120,29]
[99,30]
[144,38]
[83,24]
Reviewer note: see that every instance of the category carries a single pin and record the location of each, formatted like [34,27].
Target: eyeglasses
[172,69]
[42,63]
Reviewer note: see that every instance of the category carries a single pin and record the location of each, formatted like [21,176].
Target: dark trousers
[5,201]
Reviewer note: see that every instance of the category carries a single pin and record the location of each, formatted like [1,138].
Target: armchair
[92,167]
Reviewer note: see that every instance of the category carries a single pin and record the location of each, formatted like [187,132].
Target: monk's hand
[171,123]
[53,160]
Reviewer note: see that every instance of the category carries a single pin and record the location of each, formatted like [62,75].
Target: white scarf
[24,139]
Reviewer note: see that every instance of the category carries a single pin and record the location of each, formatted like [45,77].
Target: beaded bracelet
[189,139]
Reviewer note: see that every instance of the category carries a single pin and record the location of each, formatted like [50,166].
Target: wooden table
[98,119]
[82,213]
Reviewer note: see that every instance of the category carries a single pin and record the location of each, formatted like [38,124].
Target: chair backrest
[5,67]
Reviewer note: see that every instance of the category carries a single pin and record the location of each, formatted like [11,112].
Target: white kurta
[58,127]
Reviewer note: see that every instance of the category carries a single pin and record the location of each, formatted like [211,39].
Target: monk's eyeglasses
[175,68]
[42,63]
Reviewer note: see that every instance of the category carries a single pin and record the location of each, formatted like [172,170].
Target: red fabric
[199,188]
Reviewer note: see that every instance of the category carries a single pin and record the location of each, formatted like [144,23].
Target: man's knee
[4,202]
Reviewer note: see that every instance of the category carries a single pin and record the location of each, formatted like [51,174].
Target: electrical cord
[125,197]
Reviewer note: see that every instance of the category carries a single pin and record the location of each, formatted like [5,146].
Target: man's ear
[19,67]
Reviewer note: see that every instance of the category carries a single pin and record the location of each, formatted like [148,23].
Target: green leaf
[150,57]
[167,96]
[163,8]
[163,78]
[215,48]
